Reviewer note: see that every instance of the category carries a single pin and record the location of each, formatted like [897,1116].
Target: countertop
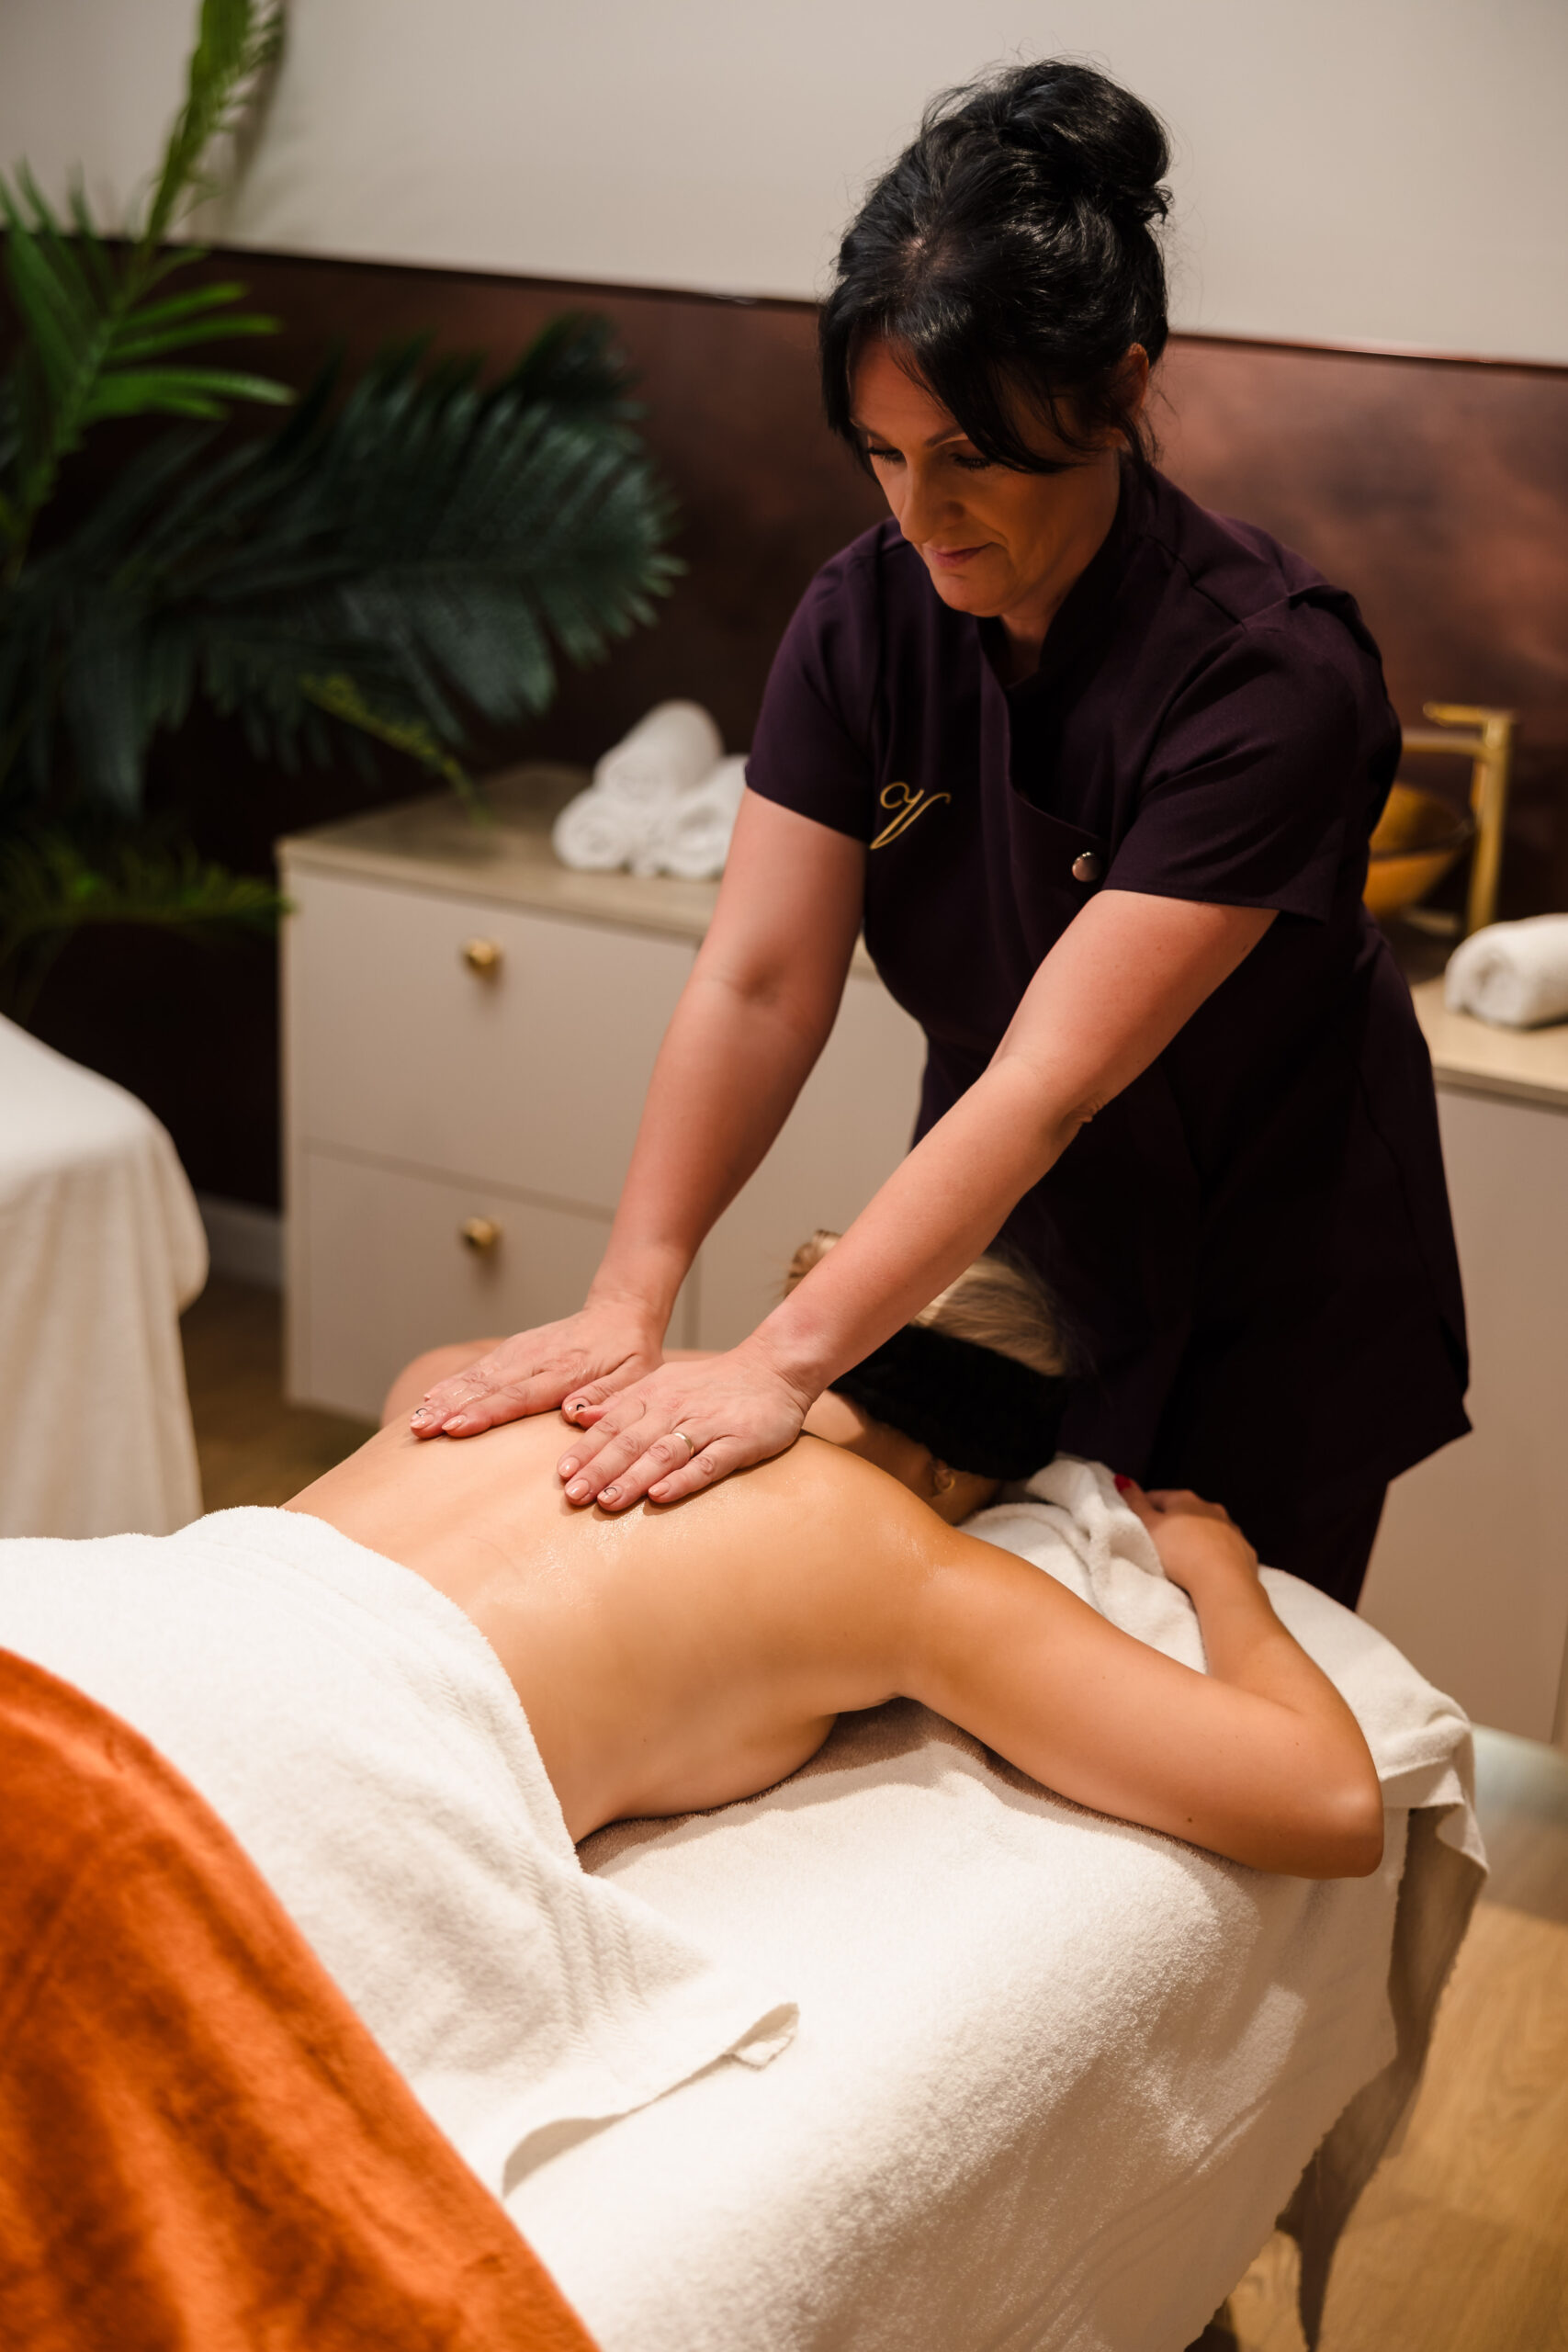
[435,846]
[1473,1058]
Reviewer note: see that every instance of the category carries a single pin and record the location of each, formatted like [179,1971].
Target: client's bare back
[666,1659]
[680,1659]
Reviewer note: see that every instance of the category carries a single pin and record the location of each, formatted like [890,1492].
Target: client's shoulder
[820,1501]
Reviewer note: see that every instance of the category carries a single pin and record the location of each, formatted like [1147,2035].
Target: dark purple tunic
[1251,1244]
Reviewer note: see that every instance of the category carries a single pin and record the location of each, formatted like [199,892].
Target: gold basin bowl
[1418,839]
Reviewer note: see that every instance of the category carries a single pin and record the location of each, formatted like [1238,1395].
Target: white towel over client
[361,1739]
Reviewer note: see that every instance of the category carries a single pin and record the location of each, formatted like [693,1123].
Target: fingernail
[578,1491]
[457,1422]
[567,1469]
[424,1413]
[610,1495]
[1122,1484]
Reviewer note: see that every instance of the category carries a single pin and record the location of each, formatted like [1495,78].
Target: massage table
[101,1247]
[906,2052]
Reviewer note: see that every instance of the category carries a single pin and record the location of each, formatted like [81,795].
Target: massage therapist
[1096,771]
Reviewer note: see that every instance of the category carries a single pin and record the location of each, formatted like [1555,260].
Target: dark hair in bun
[1010,248]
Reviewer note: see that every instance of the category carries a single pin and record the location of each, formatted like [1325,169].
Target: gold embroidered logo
[906,807]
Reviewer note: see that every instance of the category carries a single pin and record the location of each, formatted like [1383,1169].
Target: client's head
[966,1395]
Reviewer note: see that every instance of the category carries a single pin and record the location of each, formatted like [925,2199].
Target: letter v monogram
[905,806]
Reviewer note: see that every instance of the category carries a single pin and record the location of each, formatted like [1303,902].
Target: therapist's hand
[734,1410]
[609,1345]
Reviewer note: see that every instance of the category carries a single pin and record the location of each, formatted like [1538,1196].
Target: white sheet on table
[100,1247]
[362,1740]
[1054,2077]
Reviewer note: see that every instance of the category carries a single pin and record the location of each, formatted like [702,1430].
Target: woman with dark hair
[1096,771]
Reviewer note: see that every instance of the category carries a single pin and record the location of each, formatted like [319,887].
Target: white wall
[1387,170]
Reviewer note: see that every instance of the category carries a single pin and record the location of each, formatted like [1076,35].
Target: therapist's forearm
[936,1212]
[726,1076]
[1108,998]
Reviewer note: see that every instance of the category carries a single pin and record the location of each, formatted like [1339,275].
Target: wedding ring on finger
[690,1443]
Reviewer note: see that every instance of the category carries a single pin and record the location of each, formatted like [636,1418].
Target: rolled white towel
[669,752]
[1513,974]
[598,831]
[692,839]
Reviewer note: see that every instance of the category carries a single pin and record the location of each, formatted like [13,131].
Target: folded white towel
[361,1739]
[690,839]
[674,748]
[1513,974]
[645,791]
[600,831]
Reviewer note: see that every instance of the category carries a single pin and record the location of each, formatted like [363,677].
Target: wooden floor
[253,1447]
[1461,2243]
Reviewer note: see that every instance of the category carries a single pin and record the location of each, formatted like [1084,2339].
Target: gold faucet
[1487,736]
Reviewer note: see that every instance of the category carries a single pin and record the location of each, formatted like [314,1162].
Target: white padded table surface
[1054,2077]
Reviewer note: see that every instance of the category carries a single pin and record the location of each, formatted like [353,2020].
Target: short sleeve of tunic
[812,748]
[1257,791]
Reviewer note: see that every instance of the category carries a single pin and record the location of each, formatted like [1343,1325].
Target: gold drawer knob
[478,1233]
[482,955]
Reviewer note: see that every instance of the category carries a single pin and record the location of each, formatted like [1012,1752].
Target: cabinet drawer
[530,1074]
[380,1270]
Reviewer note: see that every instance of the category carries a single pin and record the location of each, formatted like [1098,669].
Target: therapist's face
[994,541]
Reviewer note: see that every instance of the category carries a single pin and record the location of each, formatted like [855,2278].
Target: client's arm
[1259,1759]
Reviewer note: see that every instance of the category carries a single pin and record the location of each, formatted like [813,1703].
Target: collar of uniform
[1082,612]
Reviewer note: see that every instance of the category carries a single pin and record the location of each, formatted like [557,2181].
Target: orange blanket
[200,2142]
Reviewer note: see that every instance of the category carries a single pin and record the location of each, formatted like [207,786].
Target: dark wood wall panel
[1438,492]
[1436,489]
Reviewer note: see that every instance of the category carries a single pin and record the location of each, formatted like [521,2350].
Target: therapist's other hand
[683,1427]
[610,1345]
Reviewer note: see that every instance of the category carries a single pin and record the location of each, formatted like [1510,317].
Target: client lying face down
[678,1658]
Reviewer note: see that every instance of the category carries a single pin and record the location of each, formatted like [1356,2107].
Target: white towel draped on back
[361,1739]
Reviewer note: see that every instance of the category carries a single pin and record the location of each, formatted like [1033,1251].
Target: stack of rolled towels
[663,801]
[1514,974]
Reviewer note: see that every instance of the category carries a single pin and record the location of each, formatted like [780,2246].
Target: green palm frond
[53,886]
[98,338]
[390,562]
[237,45]
[430,550]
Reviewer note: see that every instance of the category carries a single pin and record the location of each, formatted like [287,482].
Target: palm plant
[386,562]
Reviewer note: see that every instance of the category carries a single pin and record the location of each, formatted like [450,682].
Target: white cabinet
[384,1267]
[527,1062]
[1470,1576]
[468,1035]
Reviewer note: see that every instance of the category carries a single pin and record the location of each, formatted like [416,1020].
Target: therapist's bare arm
[750,1022]
[1119,984]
